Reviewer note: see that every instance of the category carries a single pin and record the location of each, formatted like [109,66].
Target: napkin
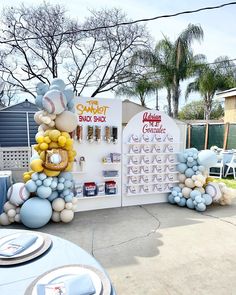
[17,245]
[79,285]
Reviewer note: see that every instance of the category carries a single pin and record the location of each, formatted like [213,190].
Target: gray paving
[159,249]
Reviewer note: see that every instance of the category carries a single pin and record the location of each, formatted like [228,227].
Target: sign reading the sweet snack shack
[92,111]
[152,123]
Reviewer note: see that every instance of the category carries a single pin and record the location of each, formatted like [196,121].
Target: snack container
[132,189]
[158,148]
[98,135]
[145,178]
[114,134]
[157,169]
[134,149]
[157,138]
[90,189]
[79,133]
[134,160]
[78,190]
[158,187]
[147,148]
[133,170]
[146,169]
[90,136]
[134,179]
[146,159]
[145,138]
[110,187]
[159,178]
[107,134]
[146,188]
[115,157]
[157,159]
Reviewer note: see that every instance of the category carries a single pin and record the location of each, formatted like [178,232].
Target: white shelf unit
[153,143]
[94,152]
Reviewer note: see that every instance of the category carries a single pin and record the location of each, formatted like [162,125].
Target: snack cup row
[151,138]
[148,148]
[154,178]
[146,169]
[151,159]
[148,189]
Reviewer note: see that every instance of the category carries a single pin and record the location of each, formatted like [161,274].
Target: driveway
[159,249]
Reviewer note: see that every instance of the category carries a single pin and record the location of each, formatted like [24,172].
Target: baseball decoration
[54,102]
[17,194]
[194,190]
[48,189]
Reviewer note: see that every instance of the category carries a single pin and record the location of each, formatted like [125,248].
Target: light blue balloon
[174,193]
[53,184]
[198,199]
[31,186]
[66,175]
[207,158]
[195,156]
[35,212]
[38,101]
[190,159]
[44,192]
[180,195]
[194,193]
[59,83]
[53,196]
[60,186]
[177,189]
[39,182]
[68,198]
[66,192]
[185,155]
[182,167]
[190,204]
[171,199]
[201,168]
[177,199]
[42,176]
[190,153]
[41,88]
[61,180]
[47,182]
[200,207]
[182,202]
[35,176]
[71,105]
[192,164]
[208,199]
[189,173]
[69,94]
[194,150]
[195,168]
[68,184]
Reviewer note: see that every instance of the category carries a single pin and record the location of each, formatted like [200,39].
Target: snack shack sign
[152,123]
[92,111]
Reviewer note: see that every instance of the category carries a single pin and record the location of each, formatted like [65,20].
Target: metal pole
[27,122]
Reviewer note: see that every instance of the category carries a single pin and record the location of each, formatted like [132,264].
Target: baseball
[54,102]
[17,194]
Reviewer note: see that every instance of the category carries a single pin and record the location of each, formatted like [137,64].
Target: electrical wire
[127,23]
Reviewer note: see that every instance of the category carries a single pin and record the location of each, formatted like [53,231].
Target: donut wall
[97,140]
[151,141]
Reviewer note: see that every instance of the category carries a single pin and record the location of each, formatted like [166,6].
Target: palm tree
[139,88]
[173,62]
[219,75]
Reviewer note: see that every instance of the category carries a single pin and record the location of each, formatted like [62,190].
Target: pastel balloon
[66,121]
[17,194]
[44,192]
[207,158]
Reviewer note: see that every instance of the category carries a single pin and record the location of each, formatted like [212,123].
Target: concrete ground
[159,249]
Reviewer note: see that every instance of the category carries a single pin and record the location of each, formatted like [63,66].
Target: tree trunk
[175,99]
[157,100]
[169,101]
[208,107]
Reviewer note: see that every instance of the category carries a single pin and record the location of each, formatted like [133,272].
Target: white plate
[57,276]
[36,245]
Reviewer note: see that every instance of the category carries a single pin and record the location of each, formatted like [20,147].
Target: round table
[15,279]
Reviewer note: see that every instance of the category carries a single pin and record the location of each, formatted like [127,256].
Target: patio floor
[159,249]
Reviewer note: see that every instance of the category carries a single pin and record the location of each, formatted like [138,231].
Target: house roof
[24,106]
[226,93]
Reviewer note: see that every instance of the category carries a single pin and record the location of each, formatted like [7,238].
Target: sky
[219,25]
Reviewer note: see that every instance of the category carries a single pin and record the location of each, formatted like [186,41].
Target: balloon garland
[196,190]
[48,189]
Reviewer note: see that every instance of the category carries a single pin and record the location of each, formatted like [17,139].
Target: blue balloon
[177,199]
[182,202]
[69,94]
[189,173]
[182,167]
[41,88]
[181,158]
[61,180]
[66,175]
[208,199]
[190,159]
[39,182]
[194,193]
[177,189]
[198,199]
[31,186]
[53,184]
[42,176]
[200,207]
[192,164]
[68,198]
[171,199]
[47,181]
[207,158]
[38,101]
[35,176]
[59,83]
[68,184]
[35,212]
[44,192]
[174,193]
[190,204]
[53,196]
[201,168]
[66,192]
[71,105]
[60,186]
[195,168]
